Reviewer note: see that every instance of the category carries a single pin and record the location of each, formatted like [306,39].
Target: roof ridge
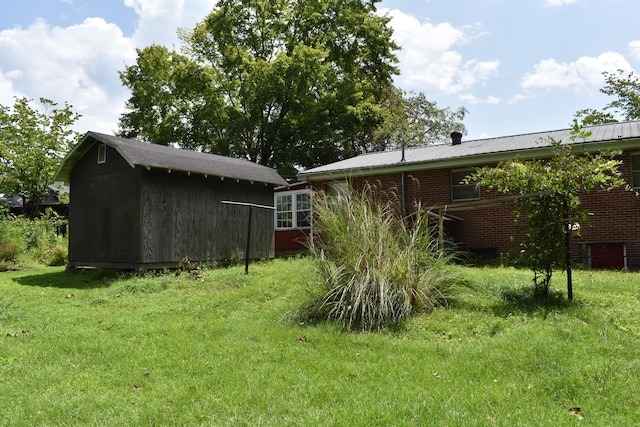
[148,155]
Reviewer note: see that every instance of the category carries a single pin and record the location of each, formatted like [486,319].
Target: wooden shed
[135,205]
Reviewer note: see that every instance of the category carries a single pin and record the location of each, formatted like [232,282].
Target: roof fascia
[115,146]
[71,159]
[80,149]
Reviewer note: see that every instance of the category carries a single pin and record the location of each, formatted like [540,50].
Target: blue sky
[517,66]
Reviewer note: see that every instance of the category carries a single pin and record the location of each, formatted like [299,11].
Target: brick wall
[615,217]
[492,230]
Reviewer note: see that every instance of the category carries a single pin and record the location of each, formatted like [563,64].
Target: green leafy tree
[626,88]
[172,100]
[32,143]
[591,116]
[550,192]
[411,119]
[284,83]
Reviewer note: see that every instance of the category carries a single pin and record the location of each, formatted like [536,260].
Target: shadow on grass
[72,279]
[524,301]
[505,300]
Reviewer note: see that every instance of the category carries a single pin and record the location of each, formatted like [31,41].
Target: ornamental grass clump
[377,269]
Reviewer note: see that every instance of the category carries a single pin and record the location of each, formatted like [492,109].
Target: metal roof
[476,151]
[138,153]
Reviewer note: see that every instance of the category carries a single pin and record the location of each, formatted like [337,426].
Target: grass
[377,270]
[216,348]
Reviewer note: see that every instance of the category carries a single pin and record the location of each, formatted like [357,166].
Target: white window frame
[458,185]
[293,194]
[635,183]
[102,154]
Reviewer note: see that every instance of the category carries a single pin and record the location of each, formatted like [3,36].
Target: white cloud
[6,88]
[634,47]
[159,20]
[76,64]
[583,74]
[474,100]
[517,98]
[557,3]
[79,64]
[428,59]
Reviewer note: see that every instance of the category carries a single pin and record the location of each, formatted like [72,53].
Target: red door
[607,256]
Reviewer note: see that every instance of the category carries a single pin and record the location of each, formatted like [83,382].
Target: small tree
[32,144]
[550,193]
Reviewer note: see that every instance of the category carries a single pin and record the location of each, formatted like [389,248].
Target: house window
[462,191]
[303,210]
[102,154]
[635,170]
[293,209]
[338,188]
[284,211]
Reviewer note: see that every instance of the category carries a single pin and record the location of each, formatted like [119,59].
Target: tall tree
[285,83]
[550,197]
[172,100]
[412,120]
[626,88]
[32,143]
[591,116]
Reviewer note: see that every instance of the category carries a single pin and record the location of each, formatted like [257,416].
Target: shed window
[102,154]
[462,191]
[293,209]
[635,170]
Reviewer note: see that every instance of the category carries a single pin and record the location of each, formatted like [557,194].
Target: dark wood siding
[104,211]
[183,216]
[136,218]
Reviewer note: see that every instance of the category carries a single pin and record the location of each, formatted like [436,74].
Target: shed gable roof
[138,153]
[475,152]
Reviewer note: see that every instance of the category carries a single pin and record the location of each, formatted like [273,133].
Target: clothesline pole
[250,206]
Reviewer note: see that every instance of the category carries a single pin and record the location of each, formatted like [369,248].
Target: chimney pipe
[456,138]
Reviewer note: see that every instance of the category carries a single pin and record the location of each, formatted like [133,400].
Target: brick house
[482,223]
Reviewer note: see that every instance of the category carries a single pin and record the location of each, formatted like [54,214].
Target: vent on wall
[102,154]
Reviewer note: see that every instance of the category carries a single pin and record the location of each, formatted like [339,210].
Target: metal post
[250,206]
[567,245]
[441,231]
[246,255]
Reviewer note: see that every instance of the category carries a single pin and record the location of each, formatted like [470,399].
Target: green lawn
[217,348]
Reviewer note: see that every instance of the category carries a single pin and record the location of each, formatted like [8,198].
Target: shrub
[36,239]
[55,255]
[11,239]
[8,252]
[376,269]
